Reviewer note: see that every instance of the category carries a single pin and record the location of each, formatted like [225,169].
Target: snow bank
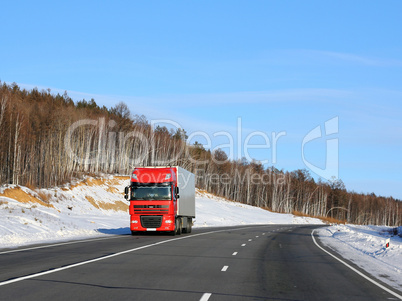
[366,247]
[89,208]
[215,211]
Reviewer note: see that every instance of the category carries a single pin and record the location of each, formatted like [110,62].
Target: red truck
[161,198]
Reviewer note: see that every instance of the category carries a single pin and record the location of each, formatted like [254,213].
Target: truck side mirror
[177,190]
[126,191]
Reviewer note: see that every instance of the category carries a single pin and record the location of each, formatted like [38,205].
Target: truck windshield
[151,193]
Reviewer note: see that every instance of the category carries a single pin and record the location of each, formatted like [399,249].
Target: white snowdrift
[366,247]
[215,211]
[72,212]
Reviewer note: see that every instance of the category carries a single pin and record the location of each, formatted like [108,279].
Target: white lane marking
[257,236]
[355,270]
[243,245]
[250,240]
[225,268]
[205,297]
[60,244]
[234,254]
[263,233]
[280,246]
[109,256]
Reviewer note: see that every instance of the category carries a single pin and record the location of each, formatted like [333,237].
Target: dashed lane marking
[205,297]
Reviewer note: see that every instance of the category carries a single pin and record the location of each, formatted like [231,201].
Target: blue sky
[280,66]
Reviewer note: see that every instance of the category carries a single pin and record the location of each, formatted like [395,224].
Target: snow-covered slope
[96,207]
[87,208]
[215,211]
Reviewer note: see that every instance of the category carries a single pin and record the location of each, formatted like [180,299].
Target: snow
[96,208]
[215,211]
[366,247]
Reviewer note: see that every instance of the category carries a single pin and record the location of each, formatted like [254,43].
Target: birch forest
[47,140]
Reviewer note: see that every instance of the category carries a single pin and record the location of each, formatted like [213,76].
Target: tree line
[48,139]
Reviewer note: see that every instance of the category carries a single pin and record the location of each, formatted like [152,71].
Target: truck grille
[151,209]
[151,221]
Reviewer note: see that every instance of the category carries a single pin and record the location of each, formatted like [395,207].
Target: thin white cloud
[211,99]
[248,97]
[358,59]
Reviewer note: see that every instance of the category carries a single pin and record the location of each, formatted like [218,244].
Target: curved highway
[267,262]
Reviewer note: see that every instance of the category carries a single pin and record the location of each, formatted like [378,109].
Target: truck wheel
[189,225]
[133,232]
[178,226]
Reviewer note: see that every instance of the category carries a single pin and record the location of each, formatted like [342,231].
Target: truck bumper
[152,223]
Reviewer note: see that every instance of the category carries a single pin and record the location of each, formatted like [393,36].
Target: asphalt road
[272,262]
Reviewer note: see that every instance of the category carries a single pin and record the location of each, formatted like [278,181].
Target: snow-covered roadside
[85,209]
[366,247]
[96,207]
